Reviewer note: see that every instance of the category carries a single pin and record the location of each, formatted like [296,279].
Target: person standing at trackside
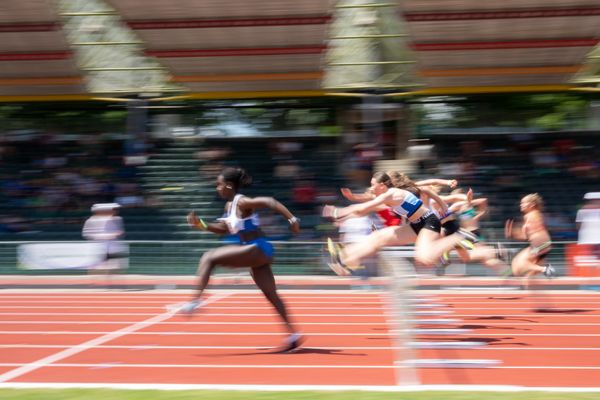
[106,227]
[588,222]
[253,250]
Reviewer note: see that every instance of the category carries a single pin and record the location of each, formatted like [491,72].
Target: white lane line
[264,366]
[337,291]
[338,310]
[313,301]
[284,388]
[526,301]
[471,318]
[313,334]
[517,335]
[346,318]
[161,302]
[390,334]
[482,317]
[179,333]
[237,294]
[533,314]
[49,360]
[212,308]
[183,323]
[304,323]
[386,348]
[379,315]
[584,306]
[157,347]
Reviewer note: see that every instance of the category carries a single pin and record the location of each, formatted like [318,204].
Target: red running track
[130,338]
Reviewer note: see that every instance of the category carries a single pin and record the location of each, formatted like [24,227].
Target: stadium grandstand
[119,120]
[140,103]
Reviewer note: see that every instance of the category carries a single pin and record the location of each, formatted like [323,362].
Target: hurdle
[406,308]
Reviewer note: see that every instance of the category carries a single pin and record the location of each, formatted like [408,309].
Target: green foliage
[543,112]
[63,117]
[562,111]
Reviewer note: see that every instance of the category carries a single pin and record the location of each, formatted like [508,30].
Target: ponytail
[237,176]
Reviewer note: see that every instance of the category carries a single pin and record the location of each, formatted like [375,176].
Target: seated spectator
[304,195]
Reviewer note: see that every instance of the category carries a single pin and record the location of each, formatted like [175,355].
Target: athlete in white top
[588,220]
[423,228]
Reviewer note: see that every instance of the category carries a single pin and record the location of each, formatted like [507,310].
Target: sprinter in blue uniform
[252,251]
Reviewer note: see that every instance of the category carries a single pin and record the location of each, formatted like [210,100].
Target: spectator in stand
[361,162]
[14,224]
[304,194]
[286,169]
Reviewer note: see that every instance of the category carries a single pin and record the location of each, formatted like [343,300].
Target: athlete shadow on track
[507,328]
[301,350]
[504,298]
[562,311]
[497,317]
[490,341]
[313,350]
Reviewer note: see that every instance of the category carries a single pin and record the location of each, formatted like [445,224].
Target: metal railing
[181,257]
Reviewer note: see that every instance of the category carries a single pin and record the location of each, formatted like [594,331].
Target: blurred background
[143,102]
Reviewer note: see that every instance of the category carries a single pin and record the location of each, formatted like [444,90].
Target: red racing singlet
[389,217]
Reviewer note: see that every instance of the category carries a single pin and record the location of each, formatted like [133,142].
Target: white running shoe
[549,271]
[191,307]
[470,236]
[502,252]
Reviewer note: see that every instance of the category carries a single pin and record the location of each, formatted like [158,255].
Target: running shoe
[339,269]
[336,263]
[333,251]
[466,244]
[468,235]
[549,271]
[444,261]
[191,307]
[502,252]
[291,343]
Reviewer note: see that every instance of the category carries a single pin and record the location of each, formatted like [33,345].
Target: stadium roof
[241,48]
